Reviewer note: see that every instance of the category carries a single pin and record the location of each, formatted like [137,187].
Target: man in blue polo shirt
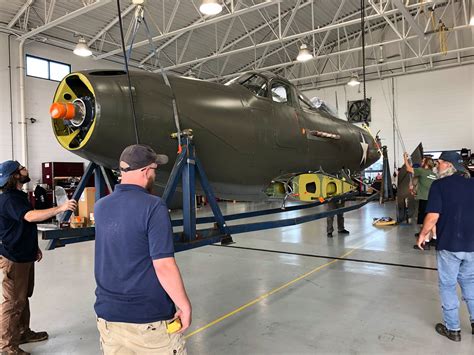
[450,208]
[18,253]
[138,281]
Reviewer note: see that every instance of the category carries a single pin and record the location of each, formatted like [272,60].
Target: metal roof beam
[350,51]
[193,27]
[110,25]
[406,14]
[247,35]
[287,38]
[452,51]
[79,12]
[20,12]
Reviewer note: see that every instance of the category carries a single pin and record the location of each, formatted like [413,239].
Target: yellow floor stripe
[262,297]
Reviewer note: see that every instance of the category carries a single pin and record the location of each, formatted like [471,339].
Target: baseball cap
[138,156]
[7,168]
[453,158]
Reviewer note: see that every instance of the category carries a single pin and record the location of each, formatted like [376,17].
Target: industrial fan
[359,111]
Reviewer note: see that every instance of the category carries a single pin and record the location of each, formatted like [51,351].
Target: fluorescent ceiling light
[354,80]
[82,49]
[210,7]
[304,54]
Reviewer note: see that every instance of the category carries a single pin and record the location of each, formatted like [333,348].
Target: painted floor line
[266,295]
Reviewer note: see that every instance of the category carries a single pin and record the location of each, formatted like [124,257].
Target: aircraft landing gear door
[286,122]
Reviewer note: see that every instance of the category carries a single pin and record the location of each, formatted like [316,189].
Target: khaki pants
[130,338]
[18,284]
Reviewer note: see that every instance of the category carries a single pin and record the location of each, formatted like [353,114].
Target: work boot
[472,326]
[343,231]
[14,350]
[32,337]
[329,235]
[454,335]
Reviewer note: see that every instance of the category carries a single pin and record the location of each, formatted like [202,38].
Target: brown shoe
[14,350]
[454,335]
[32,337]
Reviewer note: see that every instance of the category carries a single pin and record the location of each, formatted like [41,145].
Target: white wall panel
[42,145]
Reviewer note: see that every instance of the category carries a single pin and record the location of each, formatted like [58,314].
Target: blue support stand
[102,178]
[185,168]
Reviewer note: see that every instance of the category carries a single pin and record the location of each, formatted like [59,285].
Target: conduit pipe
[22,120]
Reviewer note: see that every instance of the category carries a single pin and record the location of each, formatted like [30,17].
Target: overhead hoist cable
[132,104]
[139,18]
[167,82]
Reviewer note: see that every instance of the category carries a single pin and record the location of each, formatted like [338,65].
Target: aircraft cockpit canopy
[258,84]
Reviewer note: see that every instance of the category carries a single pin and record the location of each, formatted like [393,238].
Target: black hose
[132,104]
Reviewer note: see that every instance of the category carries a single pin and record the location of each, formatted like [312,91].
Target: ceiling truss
[402,36]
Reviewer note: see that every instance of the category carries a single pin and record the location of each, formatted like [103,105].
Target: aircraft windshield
[256,83]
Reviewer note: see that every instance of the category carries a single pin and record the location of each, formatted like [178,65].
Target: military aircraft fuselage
[245,135]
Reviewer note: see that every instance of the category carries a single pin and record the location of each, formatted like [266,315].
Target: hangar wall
[42,145]
[435,108]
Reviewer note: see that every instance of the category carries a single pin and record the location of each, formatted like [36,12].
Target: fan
[359,111]
[381,57]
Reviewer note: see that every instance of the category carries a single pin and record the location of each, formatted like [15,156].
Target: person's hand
[185,317]
[405,155]
[421,241]
[70,205]
[39,255]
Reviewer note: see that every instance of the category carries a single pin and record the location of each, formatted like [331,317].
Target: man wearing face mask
[18,252]
[140,296]
[450,209]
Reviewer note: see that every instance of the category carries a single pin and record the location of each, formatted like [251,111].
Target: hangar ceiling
[401,36]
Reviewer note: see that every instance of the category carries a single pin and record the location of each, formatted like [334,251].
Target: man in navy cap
[140,292]
[18,252]
[450,208]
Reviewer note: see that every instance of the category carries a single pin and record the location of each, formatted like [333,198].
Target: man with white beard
[450,209]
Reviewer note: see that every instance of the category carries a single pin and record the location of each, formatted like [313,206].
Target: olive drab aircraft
[256,135]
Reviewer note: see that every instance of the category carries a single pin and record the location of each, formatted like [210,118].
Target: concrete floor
[335,307]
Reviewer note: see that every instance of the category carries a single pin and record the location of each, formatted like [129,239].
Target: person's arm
[428,224]
[169,276]
[407,163]
[42,215]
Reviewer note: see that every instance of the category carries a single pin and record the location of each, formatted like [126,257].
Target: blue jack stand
[102,178]
[185,169]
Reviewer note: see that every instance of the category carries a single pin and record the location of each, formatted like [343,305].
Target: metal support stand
[102,178]
[185,168]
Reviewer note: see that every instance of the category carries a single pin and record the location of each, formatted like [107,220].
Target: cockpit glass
[305,102]
[255,83]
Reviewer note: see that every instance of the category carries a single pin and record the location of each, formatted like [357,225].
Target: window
[280,93]
[46,69]
[257,84]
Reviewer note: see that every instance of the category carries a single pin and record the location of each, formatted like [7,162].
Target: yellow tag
[174,326]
